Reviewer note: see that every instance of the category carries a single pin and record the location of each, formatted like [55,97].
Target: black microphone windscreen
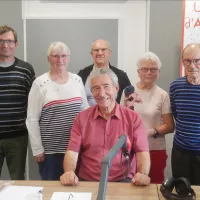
[129,90]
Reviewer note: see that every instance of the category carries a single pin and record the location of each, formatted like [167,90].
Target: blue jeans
[52,167]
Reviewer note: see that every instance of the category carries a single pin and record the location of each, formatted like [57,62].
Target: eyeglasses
[152,70]
[61,56]
[188,62]
[103,50]
[9,42]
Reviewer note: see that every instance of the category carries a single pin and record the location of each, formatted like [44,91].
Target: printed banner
[190,26]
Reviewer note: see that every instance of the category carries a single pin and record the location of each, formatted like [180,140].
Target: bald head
[190,48]
[191,61]
[100,40]
[101,53]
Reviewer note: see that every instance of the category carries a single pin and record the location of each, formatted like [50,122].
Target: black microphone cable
[122,167]
[128,167]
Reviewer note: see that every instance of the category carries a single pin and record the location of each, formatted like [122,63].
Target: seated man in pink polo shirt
[98,128]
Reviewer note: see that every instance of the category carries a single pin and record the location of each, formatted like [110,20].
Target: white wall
[132,23]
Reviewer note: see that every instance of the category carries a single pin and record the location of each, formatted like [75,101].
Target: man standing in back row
[185,104]
[16,77]
[101,53]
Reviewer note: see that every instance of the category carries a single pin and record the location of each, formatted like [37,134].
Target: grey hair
[101,39]
[149,56]
[58,47]
[101,72]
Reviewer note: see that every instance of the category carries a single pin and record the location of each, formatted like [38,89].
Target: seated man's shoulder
[87,114]
[128,112]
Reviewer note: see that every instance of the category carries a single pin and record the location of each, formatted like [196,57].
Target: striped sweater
[15,84]
[51,111]
[185,104]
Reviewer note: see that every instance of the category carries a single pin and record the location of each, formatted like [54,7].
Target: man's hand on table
[69,178]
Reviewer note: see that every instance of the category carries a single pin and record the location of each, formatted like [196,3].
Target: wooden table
[115,191]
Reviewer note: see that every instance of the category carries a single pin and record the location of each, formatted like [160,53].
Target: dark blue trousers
[52,167]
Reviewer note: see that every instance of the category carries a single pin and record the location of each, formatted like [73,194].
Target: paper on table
[18,192]
[71,196]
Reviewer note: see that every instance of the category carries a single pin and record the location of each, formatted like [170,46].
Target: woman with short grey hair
[153,105]
[56,97]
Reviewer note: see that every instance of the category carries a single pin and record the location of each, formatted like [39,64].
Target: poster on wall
[191,25]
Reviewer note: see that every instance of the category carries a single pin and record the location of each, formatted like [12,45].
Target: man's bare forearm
[143,162]
[70,161]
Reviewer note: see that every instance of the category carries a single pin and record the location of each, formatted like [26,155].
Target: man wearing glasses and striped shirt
[16,77]
[185,104]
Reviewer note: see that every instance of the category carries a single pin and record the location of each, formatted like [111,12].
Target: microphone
[106,164]
[126,148]
[129,91]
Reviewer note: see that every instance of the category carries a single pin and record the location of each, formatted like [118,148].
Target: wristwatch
[156,133]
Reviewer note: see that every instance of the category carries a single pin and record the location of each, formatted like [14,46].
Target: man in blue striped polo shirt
[16,77]
[185,104]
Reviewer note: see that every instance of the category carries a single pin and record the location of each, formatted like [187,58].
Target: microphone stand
[106,164]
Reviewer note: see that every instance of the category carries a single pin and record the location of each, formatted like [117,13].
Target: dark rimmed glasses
[9,42]
[152,70]
[188,62]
